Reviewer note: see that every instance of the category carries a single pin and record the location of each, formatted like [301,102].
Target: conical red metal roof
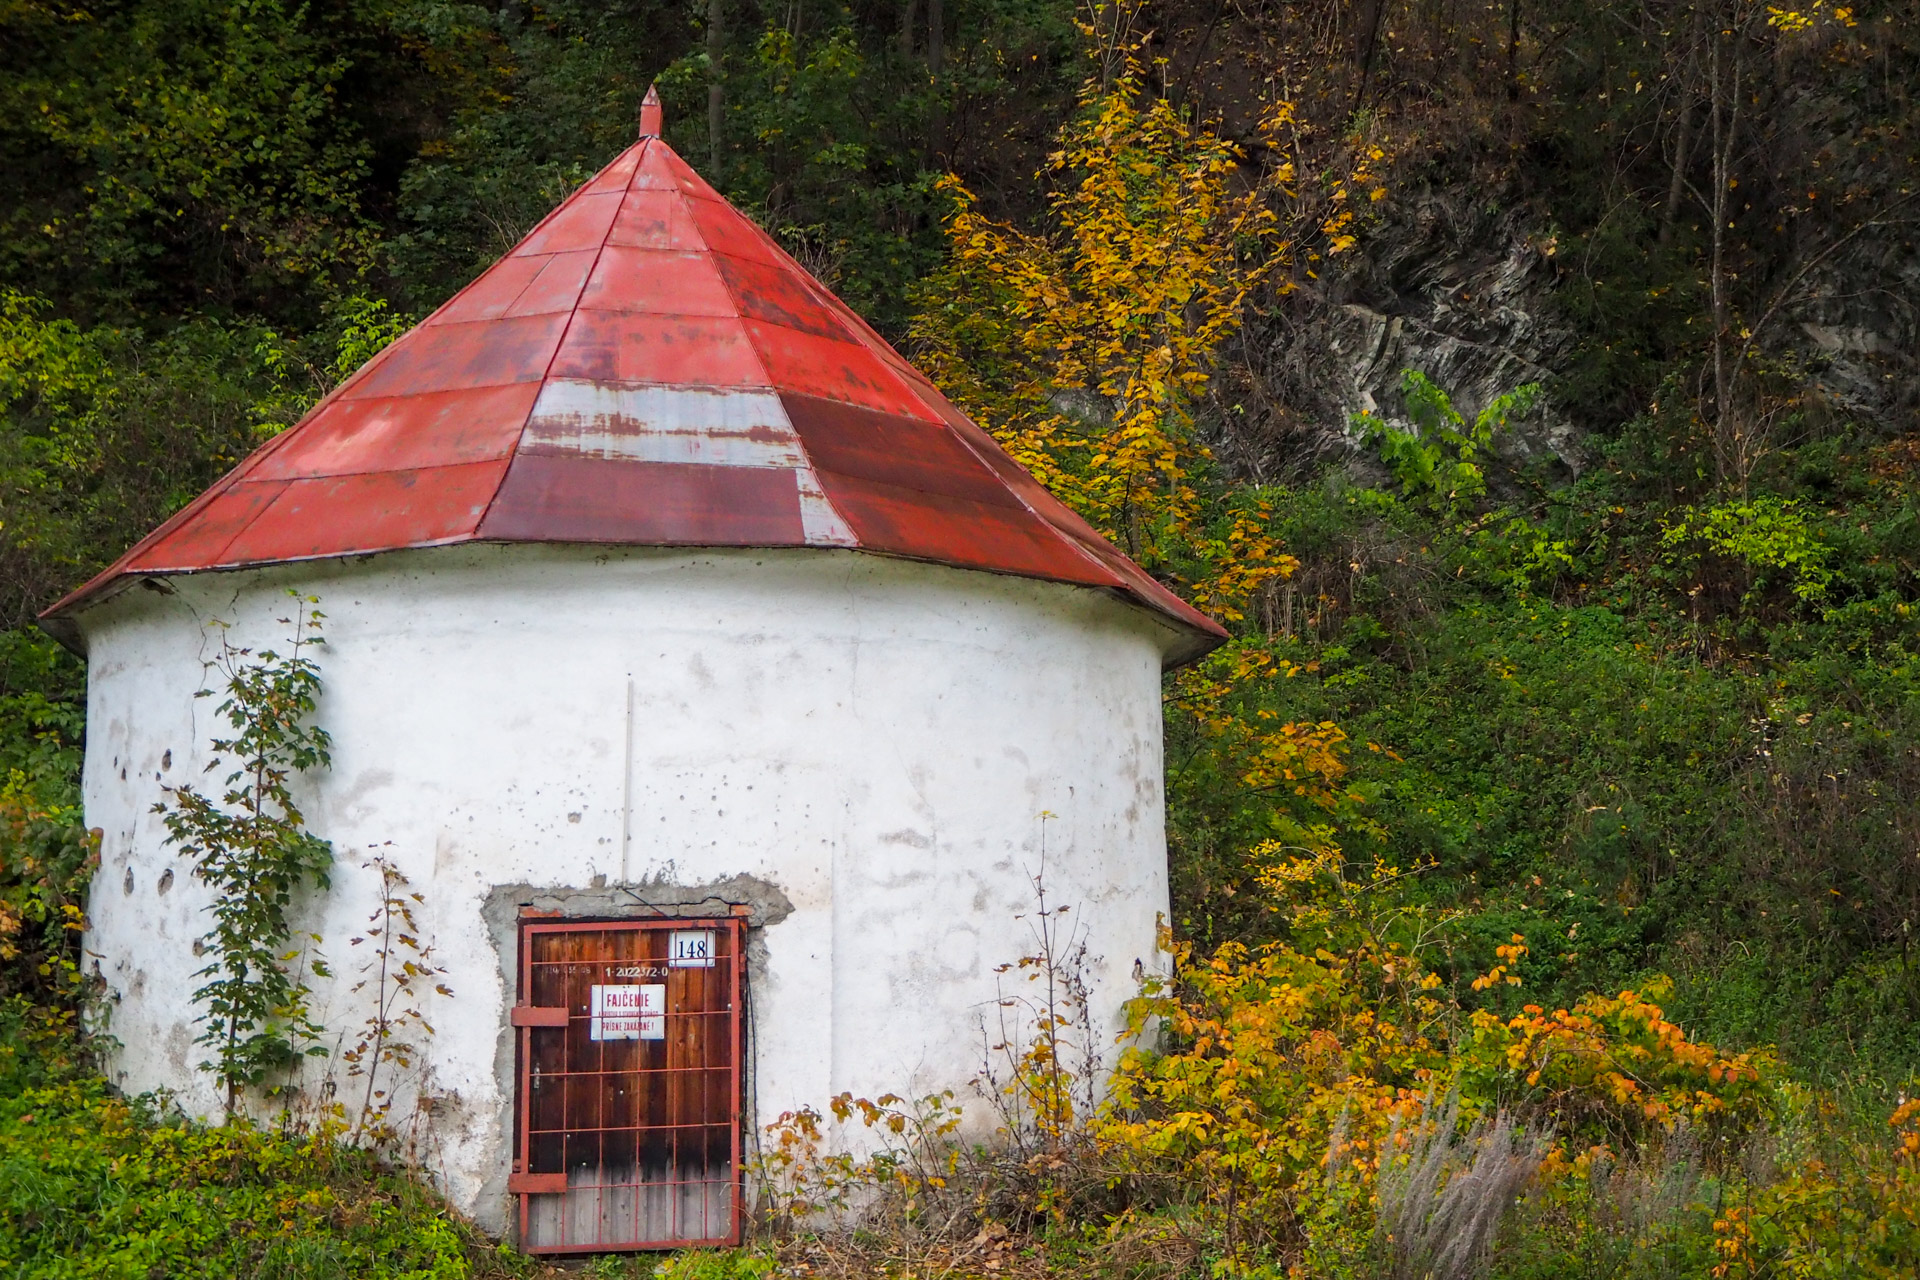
[646,368]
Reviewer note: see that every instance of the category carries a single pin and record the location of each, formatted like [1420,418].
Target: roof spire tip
[651,117]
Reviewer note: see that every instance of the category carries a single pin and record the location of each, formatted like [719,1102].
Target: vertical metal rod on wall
[736,1078]
[626,794]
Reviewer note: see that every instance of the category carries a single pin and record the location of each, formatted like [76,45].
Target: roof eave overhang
[1193,634]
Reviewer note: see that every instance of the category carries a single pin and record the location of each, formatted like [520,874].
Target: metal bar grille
[627,1113]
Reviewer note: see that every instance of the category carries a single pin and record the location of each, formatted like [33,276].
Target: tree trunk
[936,53]
[1684,77]
[1513,50]
[1677,185]
[716,94]
[1724,120]
[1366,57]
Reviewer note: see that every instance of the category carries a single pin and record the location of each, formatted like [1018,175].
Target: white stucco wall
[877,739]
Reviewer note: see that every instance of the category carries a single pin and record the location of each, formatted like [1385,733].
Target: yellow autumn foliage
[1085,346]
[1286,1074]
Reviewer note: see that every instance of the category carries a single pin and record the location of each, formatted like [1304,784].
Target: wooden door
[627,1132]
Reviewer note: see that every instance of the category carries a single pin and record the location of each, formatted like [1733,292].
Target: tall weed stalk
[400,969]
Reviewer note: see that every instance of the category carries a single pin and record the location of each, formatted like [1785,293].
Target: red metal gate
[627,1115]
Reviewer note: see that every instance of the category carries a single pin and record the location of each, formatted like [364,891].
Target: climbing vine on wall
[251,847]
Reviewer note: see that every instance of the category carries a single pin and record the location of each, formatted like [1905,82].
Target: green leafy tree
[47,854]
[253,849]
[105,432]
[186,150]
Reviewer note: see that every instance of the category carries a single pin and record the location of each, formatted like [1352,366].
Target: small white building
[717,683]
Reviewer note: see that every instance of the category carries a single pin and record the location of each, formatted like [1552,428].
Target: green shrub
[97,1186]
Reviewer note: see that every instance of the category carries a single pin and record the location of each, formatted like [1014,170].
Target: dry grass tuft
[1442,1195]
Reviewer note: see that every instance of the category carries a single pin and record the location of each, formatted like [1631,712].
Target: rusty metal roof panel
[581,223]
[653,173]
[646,367]
[560,498]
[202,541]
[762,291]
[618,176]
[809,365]
[644,422]
[489,297]
[724,231]
[373,511]
[614,346]
[557,287]
[665,160]
[435,428]
[950,530]
[657,282]
[656,220]
[446,357]
[893,450]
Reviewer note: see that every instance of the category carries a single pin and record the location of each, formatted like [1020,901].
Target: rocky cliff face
[1452,286]
[1855,328]
[1466,292]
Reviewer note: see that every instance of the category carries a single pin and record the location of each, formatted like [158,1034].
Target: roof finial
[650,114]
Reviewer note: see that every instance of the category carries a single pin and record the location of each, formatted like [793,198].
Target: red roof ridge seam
[885,353]
[265,507]
[513,448]
[508,309]
[739,310]
[813,474]
[864,336]
[753,352]
[553,213]
[1101,565]
[850,338]
[372,471]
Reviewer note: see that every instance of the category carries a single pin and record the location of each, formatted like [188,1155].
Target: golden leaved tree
[1085,347]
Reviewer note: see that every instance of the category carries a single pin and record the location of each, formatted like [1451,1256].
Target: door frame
[525,1018]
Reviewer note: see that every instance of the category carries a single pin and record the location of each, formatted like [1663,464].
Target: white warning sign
[628,1011]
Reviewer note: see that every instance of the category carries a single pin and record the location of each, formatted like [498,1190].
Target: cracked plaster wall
[859,750]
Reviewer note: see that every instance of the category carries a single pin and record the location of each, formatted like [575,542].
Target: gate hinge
[533,1015]
[535,1184]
